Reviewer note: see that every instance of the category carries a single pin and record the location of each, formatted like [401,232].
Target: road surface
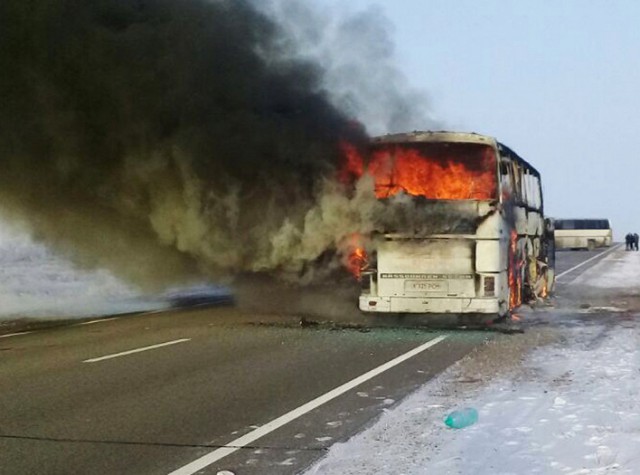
[207,390]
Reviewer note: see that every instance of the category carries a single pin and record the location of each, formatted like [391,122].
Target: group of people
[631,241]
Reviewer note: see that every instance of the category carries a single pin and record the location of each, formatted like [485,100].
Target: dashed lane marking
[100,320]
[14,334]
[136,350]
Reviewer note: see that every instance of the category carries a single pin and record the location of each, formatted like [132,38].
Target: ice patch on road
[324,439]
[604,310]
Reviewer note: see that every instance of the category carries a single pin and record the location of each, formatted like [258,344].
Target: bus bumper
[429,305]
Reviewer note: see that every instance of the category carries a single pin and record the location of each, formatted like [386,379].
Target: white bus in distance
[582,233]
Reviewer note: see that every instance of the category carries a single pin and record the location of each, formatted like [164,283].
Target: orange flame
[544,293]
[357,259]
[465,171]
[515,277]
[354,164]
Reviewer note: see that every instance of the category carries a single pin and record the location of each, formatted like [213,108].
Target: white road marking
[14,334]
[586,262]
[100,320]
[136,350]
[261,431]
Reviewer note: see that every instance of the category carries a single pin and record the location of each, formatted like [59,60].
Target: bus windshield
[435,170]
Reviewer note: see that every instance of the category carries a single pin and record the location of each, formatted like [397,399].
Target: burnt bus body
[472,237]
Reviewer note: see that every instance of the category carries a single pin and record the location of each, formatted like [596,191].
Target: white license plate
[426,286]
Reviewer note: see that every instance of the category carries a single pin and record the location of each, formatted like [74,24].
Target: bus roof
[436,136]
[581,219]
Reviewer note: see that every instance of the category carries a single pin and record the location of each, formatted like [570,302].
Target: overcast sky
[557,81]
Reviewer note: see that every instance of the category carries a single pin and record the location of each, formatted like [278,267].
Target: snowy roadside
[38,285]
[35,283]
[612,285]
[569,408]
[618,270]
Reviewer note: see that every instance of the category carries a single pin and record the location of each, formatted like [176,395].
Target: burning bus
[465,231]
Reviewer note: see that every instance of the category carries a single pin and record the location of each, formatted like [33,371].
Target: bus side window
[517,178]
[534,192]
[527,189]
[506,180]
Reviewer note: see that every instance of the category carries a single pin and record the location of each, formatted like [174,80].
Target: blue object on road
[199,295]
[461,419]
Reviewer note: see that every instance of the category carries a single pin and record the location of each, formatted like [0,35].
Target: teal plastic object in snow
[463,418]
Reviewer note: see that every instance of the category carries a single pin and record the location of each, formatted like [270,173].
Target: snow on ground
[36,283]
[572,407]
[620,270]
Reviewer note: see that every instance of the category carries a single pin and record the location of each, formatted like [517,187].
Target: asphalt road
[65,410]
[570,264]
[150,394]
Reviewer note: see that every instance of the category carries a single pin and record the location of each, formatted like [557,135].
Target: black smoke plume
[166,139]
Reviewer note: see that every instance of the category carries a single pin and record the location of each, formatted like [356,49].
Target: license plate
[426,286]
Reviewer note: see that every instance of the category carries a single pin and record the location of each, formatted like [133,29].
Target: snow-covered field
[36,283]
[570,407]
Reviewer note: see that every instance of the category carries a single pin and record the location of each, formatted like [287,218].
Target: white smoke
[358,57]
[326,226]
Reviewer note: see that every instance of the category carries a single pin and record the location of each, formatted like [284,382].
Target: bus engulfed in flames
[480,246]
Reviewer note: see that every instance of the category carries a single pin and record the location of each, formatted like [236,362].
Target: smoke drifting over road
[167,139]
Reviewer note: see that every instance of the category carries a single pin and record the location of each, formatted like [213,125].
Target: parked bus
[483,246]
[582,233]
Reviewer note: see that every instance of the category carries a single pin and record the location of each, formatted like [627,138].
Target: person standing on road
[628,242]
[636,238]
